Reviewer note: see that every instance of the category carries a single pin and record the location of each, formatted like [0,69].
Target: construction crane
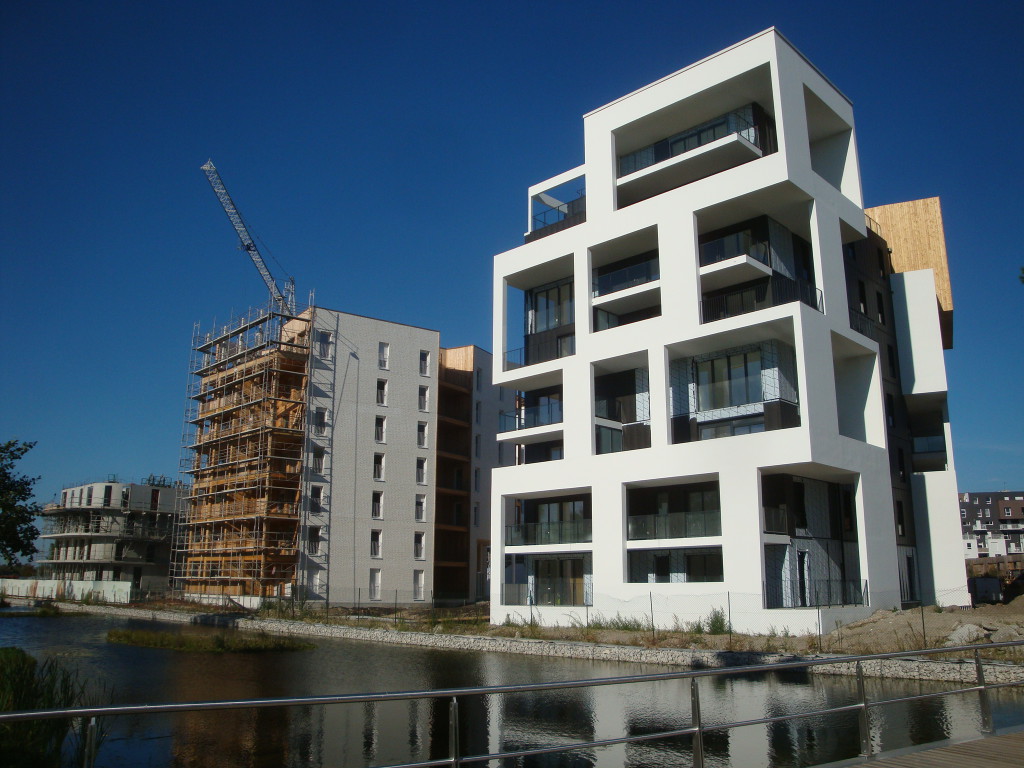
[284,300]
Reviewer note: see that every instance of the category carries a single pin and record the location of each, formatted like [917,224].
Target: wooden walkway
[991,752]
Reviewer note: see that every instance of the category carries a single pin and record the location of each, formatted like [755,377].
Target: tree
[17,531]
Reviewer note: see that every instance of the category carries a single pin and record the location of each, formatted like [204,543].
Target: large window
[729,380]
[550,306]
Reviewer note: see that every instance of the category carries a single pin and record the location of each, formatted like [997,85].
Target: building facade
[726,399]
[335,458]
[111,540]
[992,523]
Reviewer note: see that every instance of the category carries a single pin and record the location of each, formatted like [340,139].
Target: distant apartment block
[108,541]
[992,523]
[728,376]
[336,458]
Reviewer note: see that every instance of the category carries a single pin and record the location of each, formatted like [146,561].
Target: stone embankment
[959,670]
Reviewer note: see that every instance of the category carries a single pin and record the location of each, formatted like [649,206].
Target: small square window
[421,434]
[378,466]
[379,427]
[316,498]
[382,391]
[476,446]
[417,585]
[421,471]
[421,508]
[477,410]
[375,583]
[423,399]
[376,543]
[318,460]
[320,421]
[424,362]
[476,515]
[324,344]
[383,355]
[377,506]
[419,546]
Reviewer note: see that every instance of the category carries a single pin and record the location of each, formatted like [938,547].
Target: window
[324,344]
[1007,512]
[424,363]
[316,498]
[476,479]
[862,297]
[418,545]
[88,496]
[375,583]
[318,460]
[501,454]
[320,421]
[881,264]
[421,434]
[421,508]
[376,543]
[421,471]
[382,391]
[424,398]
[890,410]
[892,360]
[729,380]
[476,515]
[901,464]
[549,306]
[313,540]
[417,585]
[378,466]
[881,307]
[963,513]
[377,505]
[476,446]
[383,355]
[108,495]
[379,426]
[479,379]
[900,521]
[988,512]
[477,410]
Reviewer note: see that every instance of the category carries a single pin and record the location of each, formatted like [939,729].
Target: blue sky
[383,150]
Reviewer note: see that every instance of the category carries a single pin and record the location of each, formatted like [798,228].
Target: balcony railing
[631,437]
[532,416]
[545,592]
[814,593]
[862,324]
[551,219]
[627,277]
[773,292]
[737,121]
[540,352]
[737,244]
[561,532]
[930,444]
[674,525]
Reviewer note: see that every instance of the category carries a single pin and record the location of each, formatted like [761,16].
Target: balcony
[702,150]
[560,532]
[630,437]
[540,352]
[531,416]
[863,324]
[546,592]
[557,208]
[674,525]
[770,292]
[625,277]
[929,453]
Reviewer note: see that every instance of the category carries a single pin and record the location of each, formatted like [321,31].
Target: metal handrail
[697,728]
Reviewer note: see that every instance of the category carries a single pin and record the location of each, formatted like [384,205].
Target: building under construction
[328,458]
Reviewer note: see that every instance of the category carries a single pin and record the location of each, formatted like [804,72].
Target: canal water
[360,735]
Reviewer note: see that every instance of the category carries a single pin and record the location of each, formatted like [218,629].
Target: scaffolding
[243,447]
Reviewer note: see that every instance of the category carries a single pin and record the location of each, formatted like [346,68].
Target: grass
[26,684]
[46,610]
[222,642]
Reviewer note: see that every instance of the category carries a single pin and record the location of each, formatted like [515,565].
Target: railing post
[698,736]
[453,730]
[89,752]
[986,707]
[863,718]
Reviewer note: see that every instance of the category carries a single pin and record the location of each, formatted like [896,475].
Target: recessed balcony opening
[536,453]
[735,391]
[557,208]
[534,408]
[557,579]
[547,311]
[719,128]
[552,520]
[622,404]
[673,511]
[928,443]
[831,142]
[820,564]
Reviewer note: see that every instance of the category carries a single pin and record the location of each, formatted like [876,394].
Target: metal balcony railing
[532,416]
[559,532]
[674,525]
[627,277]
[540,352]
[773,292]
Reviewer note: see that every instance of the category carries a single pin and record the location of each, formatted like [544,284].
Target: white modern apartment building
[337,458]
[730,387]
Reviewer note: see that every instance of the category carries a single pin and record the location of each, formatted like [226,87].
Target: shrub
[717,622]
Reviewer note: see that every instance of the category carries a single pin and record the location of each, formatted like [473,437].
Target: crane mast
[285,301]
